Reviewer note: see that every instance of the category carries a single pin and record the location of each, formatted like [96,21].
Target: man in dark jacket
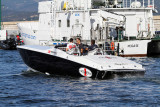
[93,45]
[79,45]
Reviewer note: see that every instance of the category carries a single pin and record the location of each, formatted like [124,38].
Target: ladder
[53,19]
[53,11]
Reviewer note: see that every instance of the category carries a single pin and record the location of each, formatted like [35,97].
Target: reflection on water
[20,87]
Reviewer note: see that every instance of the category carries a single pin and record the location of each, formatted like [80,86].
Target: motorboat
[94,64]
[45,41]
[8,39]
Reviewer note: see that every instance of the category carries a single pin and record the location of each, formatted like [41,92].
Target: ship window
[68,23]
[59,23]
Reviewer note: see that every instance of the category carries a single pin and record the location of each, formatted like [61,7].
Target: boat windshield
[76,51]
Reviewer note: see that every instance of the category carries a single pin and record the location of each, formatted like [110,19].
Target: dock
[12,25]
[156,20]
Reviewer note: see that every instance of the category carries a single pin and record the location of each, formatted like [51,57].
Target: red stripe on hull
[134,55]
[85,72]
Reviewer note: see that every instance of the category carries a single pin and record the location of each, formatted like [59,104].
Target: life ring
[112,46]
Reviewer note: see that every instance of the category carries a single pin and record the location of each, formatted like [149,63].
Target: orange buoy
[112,45]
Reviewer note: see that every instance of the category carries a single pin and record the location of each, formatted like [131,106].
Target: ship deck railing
[130,4]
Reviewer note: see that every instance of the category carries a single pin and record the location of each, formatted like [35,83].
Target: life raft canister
[112,45]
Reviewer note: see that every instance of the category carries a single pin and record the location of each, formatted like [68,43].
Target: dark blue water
[19,87]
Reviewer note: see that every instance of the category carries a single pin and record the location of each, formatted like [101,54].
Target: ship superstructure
[59,20]
[139,26]
[127,23]
[139,16]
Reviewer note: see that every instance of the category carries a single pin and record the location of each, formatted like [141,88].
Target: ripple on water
[20,87]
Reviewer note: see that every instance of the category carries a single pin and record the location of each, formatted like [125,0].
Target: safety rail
[130,3]
[109,51]
[111,48]
[138,3]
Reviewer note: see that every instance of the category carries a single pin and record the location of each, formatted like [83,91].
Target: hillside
[20,10]
[32,5]
[10,15]
[21,5]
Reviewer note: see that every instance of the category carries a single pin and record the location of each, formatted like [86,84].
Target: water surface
[19,87]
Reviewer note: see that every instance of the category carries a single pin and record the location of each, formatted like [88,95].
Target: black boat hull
[8,44]
[46,63]
[154,48]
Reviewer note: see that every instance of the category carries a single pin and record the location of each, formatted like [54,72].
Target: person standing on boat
[71,45]
[79,45]
[93,45]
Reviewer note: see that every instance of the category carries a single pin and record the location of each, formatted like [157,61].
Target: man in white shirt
[70,46]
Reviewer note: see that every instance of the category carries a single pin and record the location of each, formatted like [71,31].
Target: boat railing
[130,4]
[111,48]
[110,51]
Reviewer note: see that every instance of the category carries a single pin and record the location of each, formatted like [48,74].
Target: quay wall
[12,25]
[156,20]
